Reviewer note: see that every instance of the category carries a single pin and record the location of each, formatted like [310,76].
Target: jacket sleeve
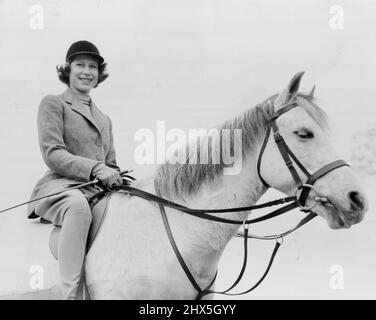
[51,142]
[111,155]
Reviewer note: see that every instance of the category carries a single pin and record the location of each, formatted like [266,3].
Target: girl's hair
[63,71]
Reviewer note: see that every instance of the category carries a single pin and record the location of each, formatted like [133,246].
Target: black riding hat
[83,47]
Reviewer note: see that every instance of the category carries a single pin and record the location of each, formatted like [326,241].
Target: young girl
[76,142]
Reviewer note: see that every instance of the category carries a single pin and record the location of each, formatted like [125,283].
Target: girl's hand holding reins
[107,176]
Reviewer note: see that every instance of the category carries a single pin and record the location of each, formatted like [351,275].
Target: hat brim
[96,56]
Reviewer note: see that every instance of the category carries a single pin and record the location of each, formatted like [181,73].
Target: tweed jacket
[73,139]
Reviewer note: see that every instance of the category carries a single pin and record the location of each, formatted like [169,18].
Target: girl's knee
[79,206]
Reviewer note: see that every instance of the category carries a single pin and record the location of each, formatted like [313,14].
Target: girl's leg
[72,242]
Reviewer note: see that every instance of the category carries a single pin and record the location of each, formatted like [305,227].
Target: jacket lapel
[74,101]
[98,116]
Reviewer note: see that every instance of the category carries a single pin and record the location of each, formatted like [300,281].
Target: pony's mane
[182,180]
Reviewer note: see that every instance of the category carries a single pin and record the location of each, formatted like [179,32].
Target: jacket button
[99,157]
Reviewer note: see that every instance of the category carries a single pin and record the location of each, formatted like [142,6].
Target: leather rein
[295,202]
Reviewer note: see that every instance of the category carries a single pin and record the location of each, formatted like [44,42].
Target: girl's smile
[83,73]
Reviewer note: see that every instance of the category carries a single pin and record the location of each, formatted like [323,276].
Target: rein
[203,214]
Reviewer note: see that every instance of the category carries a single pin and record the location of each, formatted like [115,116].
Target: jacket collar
[95,117]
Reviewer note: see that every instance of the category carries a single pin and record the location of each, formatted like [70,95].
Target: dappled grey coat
[73,139]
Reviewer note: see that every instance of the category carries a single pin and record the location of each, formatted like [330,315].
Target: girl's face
[83,73]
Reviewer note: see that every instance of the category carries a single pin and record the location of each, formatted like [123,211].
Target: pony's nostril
[356,200]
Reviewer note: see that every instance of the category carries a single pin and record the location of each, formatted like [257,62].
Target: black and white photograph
[187,150]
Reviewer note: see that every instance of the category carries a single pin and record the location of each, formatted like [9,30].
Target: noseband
[289,157]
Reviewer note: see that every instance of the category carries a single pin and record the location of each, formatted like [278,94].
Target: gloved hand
[107,176]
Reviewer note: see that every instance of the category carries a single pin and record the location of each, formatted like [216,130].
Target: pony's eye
[304,134]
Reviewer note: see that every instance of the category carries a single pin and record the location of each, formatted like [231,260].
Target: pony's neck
[204,241]
[227,191]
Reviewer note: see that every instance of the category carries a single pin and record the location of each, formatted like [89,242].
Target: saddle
[98,204]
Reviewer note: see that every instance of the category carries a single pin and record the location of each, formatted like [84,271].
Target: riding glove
[107,176]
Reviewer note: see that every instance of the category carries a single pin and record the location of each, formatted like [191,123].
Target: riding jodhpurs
[72,212]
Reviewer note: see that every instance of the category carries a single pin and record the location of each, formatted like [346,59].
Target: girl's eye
[304,134]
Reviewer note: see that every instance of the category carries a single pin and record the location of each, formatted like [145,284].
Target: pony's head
[304,129]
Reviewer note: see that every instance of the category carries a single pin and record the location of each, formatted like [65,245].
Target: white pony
[132,258]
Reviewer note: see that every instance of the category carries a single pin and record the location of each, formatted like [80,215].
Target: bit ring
[316,199]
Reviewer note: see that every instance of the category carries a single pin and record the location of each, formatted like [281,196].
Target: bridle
[289,157]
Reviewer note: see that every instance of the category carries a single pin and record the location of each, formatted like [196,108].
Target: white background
[192,64]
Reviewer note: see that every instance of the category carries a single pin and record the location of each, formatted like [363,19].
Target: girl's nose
[86,70]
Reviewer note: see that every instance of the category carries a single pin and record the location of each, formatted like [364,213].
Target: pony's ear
[312,92]
[290,92]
